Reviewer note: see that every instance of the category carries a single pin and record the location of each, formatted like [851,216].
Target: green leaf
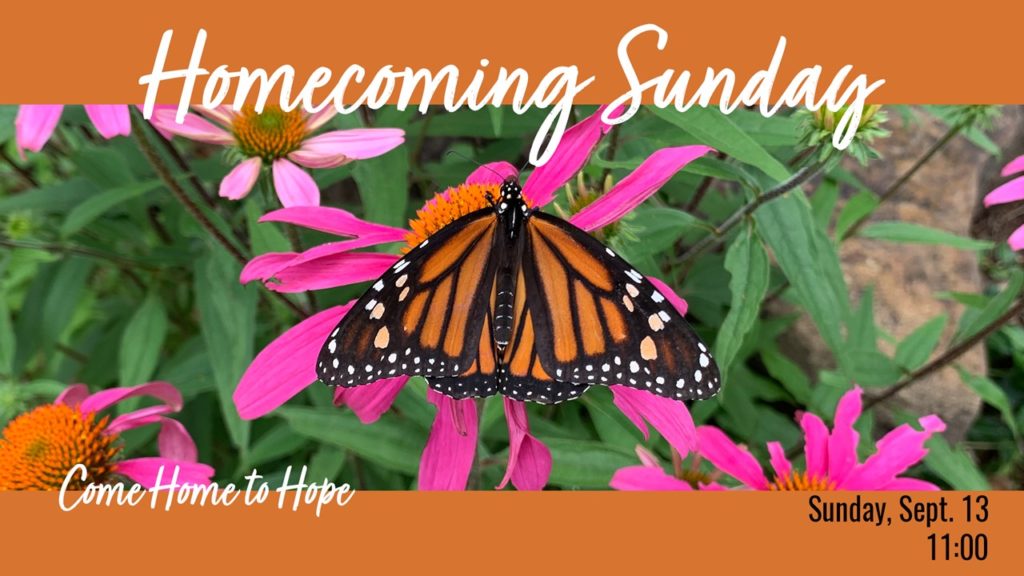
[279,442]
[95,206]
[953,465]
[67,289]
[993,395]
[747,262]
[8,112]
[910,233]
[104,166]
[659,228]
[327,462]
[810,262]
[719,131]
[585,464]
[612,426]
[56,197]
[973,320]
[227,312]
[142,342]
[8,343]
[389,442]
[497,115]
[918,346]
[266,237]
[858,207]
[788,373]
[872,368]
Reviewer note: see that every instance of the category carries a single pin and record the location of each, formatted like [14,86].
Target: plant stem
[803,175]
[122,263]
[179,160]
[25,174]
[948,356]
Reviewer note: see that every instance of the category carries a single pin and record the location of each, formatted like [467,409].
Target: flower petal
[529,460]
[815,445]
[842,443]
[72,395]
[142,109]
[448,456]
[192,127]
[638,186]
[333,221]
[321,117]
[1016,165]
[145,471]
[729,458]
[897,451]
[492,173]
[1011,191]
[286,365]
[669,417]
[1016,240]
[910,485]
[780,464]
[267,266]
[339,147]
[163,391]
[680,305]
[294,186]
[331,271]
[34,125]
[371,400]
[572,153]
[174,442]
[646,478]
[239,182]
[110,120]
[137,418]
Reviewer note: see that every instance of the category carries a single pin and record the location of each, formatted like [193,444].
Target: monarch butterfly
[511,300]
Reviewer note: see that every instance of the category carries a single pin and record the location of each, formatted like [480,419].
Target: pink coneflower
[35,123]
[831,458]
[39,447]
[279,140]
[287,365]
[1011,191]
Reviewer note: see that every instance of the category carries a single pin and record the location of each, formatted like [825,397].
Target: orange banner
[578,532]
[73,53]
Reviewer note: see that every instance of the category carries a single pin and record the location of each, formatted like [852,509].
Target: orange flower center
[271,134]
[449,206]
[801,482]
[38,448]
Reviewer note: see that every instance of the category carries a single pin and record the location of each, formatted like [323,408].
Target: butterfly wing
[596,320]
[424,316]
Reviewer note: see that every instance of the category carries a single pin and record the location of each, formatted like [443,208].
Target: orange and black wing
[596,320]
[424,316]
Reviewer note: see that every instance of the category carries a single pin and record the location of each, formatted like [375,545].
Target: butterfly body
[514,301]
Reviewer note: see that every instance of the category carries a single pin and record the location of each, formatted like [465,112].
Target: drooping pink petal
[146,470]
[174,442]
[266,266]
[910,485]
[193,127]
[294,186]
[669,417]
[677,301]
[780,464]
[162,391]
[730,458]
[1011,191]
[137,418]
[34,125]
[815,445]
[529,460]
[1016,165]
[110,120]
[448,456]
[646,478]
[72,395]
[333,221]
[842,443]
[339,147]
[897,451]
[286,365]
[164,133]
[492,173]
[1016,240]
[239,182]
[572,153]
[638,186]
[646,457]
[223,114]
[371,400]
[318,119]
[331,271]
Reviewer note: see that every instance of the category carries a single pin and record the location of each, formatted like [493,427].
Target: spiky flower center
[447,207]
[797,481]
[270,134]
[38,448]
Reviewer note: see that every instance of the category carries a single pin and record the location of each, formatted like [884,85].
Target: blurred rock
[943,194]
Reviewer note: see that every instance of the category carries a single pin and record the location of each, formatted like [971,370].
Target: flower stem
[22,172]
[718,234]
[124,264]
[949,356]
